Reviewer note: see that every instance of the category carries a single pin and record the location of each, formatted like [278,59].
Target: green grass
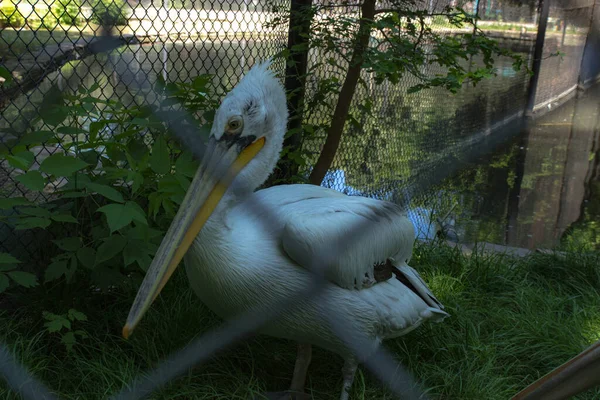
[511,322]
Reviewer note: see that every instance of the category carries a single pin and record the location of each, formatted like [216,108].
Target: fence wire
[420,139]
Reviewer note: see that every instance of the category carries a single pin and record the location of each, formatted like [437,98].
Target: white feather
[256,248]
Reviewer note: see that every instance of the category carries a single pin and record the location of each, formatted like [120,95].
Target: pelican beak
[223,160]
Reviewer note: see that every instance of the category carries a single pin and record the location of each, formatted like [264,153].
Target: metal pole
[537,58]
[581,79]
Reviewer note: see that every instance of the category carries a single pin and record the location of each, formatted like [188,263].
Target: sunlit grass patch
[511,321]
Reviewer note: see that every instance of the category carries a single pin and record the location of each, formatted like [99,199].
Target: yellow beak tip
[127,330]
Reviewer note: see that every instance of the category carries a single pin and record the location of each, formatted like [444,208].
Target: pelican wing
[349,236]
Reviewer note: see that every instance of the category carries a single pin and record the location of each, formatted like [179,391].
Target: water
[538,191]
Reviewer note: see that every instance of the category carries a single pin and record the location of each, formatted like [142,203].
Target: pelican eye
[234,125]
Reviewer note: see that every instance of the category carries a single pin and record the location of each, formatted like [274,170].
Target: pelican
[241,257]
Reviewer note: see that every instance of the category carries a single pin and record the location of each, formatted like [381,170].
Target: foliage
[406,43]
[47,20]
[10,16]
[109,12]
[68,12]
[10,273]
[62,325]
[115,177]
[511,321]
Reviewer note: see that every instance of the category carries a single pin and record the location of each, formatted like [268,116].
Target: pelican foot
[284,395]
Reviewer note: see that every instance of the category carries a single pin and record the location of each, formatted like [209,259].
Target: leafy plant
[10,16]
[9,273]
[68,12]
[390,41]
[115,176]
[63,326]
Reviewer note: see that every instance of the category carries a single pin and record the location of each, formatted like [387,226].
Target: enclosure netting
[407,139]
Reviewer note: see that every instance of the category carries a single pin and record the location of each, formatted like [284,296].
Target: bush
[68,12]
[109,12]
[10,16]
[124,181]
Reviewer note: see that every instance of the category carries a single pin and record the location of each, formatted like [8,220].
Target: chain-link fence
[409,143]
[50,44]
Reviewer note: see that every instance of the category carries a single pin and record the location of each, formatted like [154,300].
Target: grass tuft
[512,321]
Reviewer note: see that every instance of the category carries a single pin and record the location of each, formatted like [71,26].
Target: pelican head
[244,145]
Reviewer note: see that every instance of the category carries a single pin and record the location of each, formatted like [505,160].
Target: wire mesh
[410,144]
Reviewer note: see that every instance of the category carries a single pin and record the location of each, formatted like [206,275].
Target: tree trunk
[334,134]
[295,85]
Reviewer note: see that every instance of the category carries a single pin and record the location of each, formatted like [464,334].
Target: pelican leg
[301,368]
[348,372]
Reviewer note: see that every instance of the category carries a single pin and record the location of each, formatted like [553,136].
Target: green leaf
[72,195]
[183,181]
[52,110]
[61,165]
[143,232]
[6,258]
[76,315]
[21,160]
[81,333]
[68,244]
[169,208]
[90,157]
[117,216]
[110,248]
[137,251]
[32,180]
[55,270]
[36,138]
[3,282]
[154,201]
[57,323]
[53,326]
[137,149]
[35,211]
[185,165]
[71,130]
[69,340]
[13,202]
[137,180]
[86,256]
[159,159]
[8,78]
[106,191]
[64,218]
[33,222]
[137,212]
[24,279]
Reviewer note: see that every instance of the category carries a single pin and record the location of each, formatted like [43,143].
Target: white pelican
[240,258]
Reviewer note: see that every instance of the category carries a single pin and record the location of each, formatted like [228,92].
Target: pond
[540,190]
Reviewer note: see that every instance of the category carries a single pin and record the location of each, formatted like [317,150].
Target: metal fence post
[537,58]
[581,79]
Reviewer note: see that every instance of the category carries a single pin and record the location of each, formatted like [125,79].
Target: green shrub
[109,12]
[125,180]
[10,16]
[68,12]
[44,20]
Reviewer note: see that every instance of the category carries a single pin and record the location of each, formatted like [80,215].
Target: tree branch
[342,108]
